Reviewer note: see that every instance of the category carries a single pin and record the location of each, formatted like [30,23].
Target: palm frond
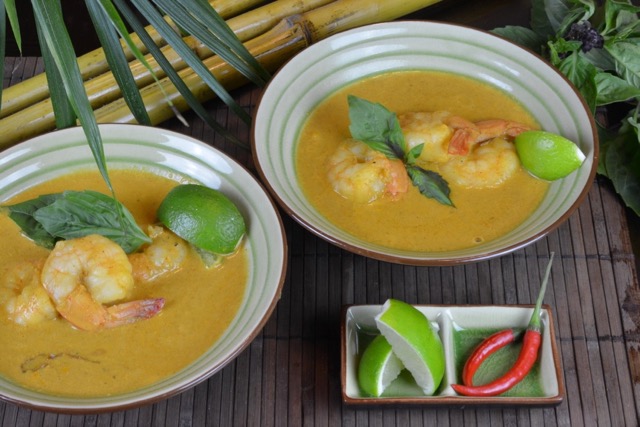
[175,41]
[8,9]
[102,16]
[3,42]
[48,13]
[65,116]
[175,78]
[199,19]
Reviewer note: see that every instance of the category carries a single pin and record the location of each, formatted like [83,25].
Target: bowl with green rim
[343,59]
[184,159]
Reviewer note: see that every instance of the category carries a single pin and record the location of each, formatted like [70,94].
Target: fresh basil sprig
[71,214]
[379,128]
[597,46]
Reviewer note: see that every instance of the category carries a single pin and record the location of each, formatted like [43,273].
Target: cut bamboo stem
[94,63]
[272,49]
[104,88]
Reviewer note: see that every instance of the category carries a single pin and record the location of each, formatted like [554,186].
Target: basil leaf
[430,184]
[376,126]
[620,18]
[22,214]
[626,55]
[523,36]
[623,164]
[80,213]
[413,154]
[582,74]
[71,214]
[614,89]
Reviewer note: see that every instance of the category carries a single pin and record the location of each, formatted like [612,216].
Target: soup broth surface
[415,222]
[54,357]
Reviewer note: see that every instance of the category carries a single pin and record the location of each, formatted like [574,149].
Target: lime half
[378,367]
[547,155]
[203,217]
[414,341]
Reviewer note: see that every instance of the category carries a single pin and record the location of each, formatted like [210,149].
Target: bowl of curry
[458,96]
[207,312]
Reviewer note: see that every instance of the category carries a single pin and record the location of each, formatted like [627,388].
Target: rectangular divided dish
[460,328]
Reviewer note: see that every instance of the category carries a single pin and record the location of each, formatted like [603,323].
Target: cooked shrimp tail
[132,311]
[468,133]
[81,310]
[80,275]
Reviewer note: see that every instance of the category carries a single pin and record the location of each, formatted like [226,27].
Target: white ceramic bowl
[348,57]
[154,149]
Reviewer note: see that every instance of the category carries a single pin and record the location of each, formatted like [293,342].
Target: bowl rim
[444,261]
[128,402]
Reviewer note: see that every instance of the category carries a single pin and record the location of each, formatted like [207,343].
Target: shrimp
[467,133]
[444,134]
[83,274]
[363,175]
[487,165]
[471,154]
[165,254]
[430,129]
[23,297]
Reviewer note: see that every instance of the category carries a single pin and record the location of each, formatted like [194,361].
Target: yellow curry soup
[417,223]
[56,358]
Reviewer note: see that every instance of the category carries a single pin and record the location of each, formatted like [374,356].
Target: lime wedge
[547,155]
[203,217]
[414,341]
[378,367]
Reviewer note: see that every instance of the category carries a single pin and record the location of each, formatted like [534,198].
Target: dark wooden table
[290,374]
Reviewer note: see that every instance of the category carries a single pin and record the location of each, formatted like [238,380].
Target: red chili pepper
[486,348]
[526,359]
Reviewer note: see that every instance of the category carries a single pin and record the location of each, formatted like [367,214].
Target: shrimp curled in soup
[486,166]
[23,297]
[470,154]
[81,275]
[444,134]
[164,255]
[361,174]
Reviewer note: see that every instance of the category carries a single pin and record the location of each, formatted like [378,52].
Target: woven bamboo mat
[290,374]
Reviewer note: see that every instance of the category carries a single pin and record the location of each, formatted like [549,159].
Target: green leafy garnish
[596,45]
[379,128]
[430,184]
[376,126]
[72,214]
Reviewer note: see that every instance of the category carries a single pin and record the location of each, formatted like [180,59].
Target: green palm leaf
[8,8]
[3,41]
[184,90]
[48,14]
[199,19]
[64,114]
[115,56]
[176,42]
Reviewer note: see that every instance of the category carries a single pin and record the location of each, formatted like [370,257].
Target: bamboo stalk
[94,63]
[104,88]
[272,49]
[39,118]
